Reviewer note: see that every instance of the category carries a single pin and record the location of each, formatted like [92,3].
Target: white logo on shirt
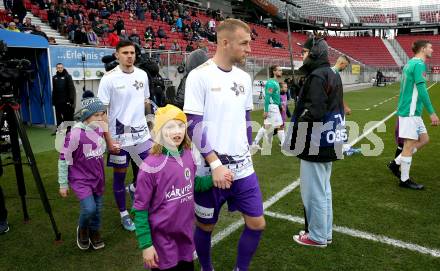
[179,193]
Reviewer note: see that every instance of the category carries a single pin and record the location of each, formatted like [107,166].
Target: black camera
[12,72]
[110,62]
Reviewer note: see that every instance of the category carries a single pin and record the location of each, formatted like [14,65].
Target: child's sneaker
[127,223]
[303,239]
[95,240]
[82,238]
[4,227]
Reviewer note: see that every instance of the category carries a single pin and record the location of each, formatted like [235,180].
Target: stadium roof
[385,3]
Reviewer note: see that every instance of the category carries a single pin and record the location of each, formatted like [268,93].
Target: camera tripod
[9,112]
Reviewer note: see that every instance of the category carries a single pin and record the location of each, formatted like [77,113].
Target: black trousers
[3,211]
[63,112]
[181,266]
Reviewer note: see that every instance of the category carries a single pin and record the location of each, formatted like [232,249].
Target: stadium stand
[328,13]
[368,50]
[430,16]
[407,41]
[379,18]
[361,49]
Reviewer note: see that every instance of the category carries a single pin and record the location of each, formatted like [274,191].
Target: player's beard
[240,60]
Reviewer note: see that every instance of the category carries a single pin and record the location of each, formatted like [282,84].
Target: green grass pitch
[365,198]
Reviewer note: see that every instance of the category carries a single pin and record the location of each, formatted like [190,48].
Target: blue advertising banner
[71,57]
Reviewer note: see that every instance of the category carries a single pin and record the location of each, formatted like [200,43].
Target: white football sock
[269,136]
[405,167]
[259,135]
[397,160]
[281,136]
[124,213]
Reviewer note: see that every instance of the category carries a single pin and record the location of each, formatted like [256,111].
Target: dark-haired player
[413,97]
[124,90]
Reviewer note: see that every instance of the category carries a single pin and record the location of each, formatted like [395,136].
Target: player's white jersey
[222,98]
[126,94]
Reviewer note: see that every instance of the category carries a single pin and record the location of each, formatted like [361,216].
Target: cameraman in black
[63,95]
[4,227]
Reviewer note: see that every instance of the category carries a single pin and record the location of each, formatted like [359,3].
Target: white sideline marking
[365,235]
[359,138]
[234,226]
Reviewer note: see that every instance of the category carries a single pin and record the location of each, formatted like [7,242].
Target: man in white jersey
[124,90]
[218,101]
[413,97]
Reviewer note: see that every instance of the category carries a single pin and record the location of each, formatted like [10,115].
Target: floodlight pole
[289,38]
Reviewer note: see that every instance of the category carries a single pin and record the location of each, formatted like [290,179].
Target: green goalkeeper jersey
[413,92]
[272,94]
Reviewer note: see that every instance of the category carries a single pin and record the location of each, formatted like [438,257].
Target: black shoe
[95,239]
[82,238]
[4,227]
[411,185]
[395,168]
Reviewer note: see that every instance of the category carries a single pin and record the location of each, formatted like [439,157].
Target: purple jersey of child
[83,151]
[165,188]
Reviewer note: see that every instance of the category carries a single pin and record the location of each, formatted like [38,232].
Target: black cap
[308,44]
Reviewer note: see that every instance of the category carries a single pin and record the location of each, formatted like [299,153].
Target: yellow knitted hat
[165,114]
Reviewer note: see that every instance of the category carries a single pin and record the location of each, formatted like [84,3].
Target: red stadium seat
[35,10]
[43,15]
[407,41]
[368,50]
[28,5]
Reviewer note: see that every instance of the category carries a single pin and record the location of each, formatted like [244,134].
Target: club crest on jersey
[424,75]
[187,174]
[238,89]
[138,85]
[270,90]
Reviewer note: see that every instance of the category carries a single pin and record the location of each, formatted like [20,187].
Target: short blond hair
[344,58]
[231,25]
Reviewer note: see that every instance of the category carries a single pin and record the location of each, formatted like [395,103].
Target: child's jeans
[90,212]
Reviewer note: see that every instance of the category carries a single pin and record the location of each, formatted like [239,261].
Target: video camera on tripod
[14,72]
